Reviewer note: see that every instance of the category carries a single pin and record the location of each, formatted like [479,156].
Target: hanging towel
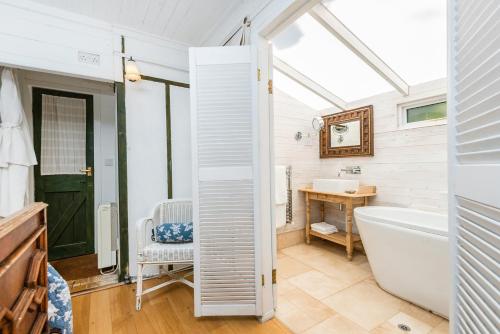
[280,185]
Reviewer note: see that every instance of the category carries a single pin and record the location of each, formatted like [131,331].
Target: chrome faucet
[350,170]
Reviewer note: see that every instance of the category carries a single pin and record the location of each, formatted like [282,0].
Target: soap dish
[350,191]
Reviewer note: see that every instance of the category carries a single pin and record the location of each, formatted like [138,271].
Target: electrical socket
[89,58]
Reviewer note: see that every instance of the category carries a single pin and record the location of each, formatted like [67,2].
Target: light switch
[109,162]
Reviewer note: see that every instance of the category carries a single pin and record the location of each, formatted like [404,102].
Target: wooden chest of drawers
[23,271]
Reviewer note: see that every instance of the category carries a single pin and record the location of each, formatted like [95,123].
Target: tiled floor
[320,292]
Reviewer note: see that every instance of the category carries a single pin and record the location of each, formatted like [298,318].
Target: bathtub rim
[360,212]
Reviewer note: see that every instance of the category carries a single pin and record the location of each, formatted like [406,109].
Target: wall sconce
[131,70]
[318,123]
[298,136]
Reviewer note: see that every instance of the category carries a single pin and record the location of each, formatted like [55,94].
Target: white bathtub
[408,253]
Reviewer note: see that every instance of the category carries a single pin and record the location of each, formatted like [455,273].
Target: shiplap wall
[291,116]
[35,36]
[410,165]
[155,56]
[43,38]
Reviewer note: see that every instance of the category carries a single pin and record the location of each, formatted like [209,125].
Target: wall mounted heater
[107,235]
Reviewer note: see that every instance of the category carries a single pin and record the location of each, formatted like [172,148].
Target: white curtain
[63,135]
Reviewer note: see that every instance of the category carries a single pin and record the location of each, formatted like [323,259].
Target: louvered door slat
[224,197]
[474,116]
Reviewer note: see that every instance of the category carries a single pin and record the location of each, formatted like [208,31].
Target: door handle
[87,171]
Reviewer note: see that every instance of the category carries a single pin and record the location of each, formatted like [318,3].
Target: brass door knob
[87,171]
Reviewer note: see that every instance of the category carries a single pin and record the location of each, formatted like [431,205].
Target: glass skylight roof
[322,57]
[299,92]
[408,35]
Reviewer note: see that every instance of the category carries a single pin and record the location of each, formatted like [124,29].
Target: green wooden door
[63,130]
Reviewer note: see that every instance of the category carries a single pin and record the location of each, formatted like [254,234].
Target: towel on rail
[280,187]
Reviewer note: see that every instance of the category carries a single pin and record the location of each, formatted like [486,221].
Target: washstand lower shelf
[338,237]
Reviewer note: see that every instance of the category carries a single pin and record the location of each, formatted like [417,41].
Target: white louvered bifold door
[474,125]
[227,273]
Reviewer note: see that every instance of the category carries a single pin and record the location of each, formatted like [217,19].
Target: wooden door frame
[121,124]
[37,111]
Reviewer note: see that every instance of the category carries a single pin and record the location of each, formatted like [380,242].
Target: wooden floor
[77,267]
[168,310]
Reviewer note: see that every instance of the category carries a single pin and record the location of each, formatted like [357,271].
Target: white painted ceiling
[187,21]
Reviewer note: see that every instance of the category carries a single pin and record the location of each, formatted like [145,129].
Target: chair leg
[138,293]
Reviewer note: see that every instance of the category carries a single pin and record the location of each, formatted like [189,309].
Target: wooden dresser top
[10,223]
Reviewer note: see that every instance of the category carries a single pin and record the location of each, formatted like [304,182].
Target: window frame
[403,109]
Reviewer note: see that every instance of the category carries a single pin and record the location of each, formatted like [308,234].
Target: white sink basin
[335,185]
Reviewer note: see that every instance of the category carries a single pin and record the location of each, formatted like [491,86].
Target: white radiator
[107,235]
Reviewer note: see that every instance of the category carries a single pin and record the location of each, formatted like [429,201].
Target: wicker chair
[152,253]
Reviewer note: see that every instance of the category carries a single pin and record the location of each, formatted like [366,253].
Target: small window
[424,112]
[428,112]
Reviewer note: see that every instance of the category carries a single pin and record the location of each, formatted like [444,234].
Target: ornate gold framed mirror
[347,133]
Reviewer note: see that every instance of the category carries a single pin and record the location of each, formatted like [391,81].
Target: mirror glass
[345,134]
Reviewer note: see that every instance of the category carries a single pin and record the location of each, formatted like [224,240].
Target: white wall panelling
[147,177]
[44,38]
[155,56]
[147,162]
[181,142]
[291,116]
[34,36]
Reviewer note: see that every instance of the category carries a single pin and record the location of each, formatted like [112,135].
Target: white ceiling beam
[287,17]
[326,18]
[308,83]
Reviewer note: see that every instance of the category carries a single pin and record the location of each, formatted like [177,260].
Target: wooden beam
[287,17]
[308,83]
[326,18]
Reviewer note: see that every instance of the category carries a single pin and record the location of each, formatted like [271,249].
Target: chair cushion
[158,252]
[60,314]
[174,232]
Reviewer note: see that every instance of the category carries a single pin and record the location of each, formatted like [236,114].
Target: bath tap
[350,170]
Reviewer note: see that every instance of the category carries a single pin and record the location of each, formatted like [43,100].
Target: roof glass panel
[299,92]
[409,35]
[312,50]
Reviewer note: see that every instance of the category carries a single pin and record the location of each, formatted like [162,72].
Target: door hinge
[263,280]
[270,86]
[258,74]
[274,276]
